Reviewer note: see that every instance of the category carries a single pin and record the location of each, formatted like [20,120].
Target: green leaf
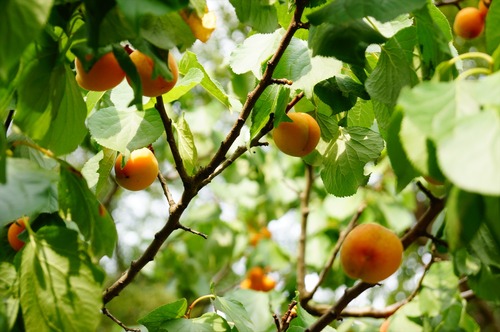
[361,115]
[434,38]
[404,170]
[51,109]
[345,159]
[192,78]
[322,68]
[340,93]
[190,60]
[97,169]
[347,42]
[235,312]
[295,62]
[258,14]
[274,99]
[135,11]
[464,216]
[125,130]
[154,320]
[77,203]
[394,69]
[95,13]
[21,21]
[344,11]
[29,190]
[469,156]
[257,304]
[208,322]
[187,148]
[253,52]
[491,31]
[167,31]
[304,320]
[3,156]
[60,286]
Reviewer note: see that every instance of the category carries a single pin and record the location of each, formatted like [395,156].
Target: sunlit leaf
[187,147]
[60,286]
[259,15]
[235,313]
[156,318]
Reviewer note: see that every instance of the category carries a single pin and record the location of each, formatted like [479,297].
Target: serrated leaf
[235,312]
[361,115]
[258,14]
[50,108]
[126,130]
[394,69]
[60,286]
[167,31]
[208,322]
[187,148]
[156,318]
[354,37]
[322,68]
[295,62]
[192,78]
[342,11]
[96,170]
[274,99]
[29,190]
[190,60]
[254,51]
[340,93]
[257,304]
[345,159]
[20,22]
[77,203]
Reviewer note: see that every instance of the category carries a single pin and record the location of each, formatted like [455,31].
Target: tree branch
[220,155]
[166,191]
[106,312]
[304,212]
[167,124]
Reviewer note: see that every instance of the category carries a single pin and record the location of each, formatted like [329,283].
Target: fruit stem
[473,71]
[195,302]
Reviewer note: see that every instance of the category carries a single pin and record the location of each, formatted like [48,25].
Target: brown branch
[166,190]
[190,230]
[220,155]
[304,212]
[328,266]
[418,230]
[167,124]
[281,81]
[106,312]
[294,101]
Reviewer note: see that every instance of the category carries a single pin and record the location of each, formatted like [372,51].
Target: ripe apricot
[299,137]
[14,230]
[257,279]
[139,172]
[255,237]
[371,253]
[105,74]
[201,27]
[469,23]
[158,86]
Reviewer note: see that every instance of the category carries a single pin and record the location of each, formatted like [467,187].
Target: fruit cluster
[469,22]
[257,279]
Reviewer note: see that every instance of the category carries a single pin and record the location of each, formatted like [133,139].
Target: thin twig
[166,190]
[167,124]
[281,81]
[333,255]
[304,213]
[106,312]
[426,191]
[189,229]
